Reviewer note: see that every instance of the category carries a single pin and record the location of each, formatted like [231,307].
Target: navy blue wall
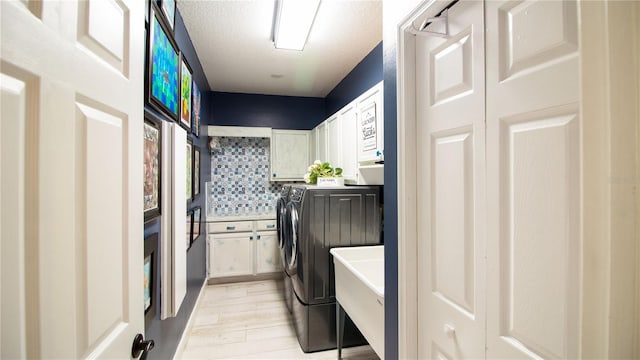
[278,112]
[366,74]
[167,333]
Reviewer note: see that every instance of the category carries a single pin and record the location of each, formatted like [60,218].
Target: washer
[322,218]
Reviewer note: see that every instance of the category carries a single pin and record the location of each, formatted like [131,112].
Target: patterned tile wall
[240,177]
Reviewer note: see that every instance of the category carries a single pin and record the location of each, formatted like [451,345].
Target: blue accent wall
[167,333]
[366,74]
[278,112]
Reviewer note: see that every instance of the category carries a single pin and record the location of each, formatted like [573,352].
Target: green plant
[321,169]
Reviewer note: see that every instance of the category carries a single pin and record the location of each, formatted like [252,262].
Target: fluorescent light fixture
[293,22]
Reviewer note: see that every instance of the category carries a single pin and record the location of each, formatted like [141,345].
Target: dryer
[283,234]
[321,218]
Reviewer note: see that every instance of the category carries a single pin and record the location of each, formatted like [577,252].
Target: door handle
[141,347]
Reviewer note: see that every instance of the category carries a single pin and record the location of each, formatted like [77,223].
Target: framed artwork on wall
[150,277]
[152,133]
[189,170]
[169,10]
[196,171]
[197,219]
[164,69]
[195,109]
[185,95]
[189,234]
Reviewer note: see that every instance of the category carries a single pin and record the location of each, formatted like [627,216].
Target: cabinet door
[334,141]
[267,253]
[313,136]
[289,154]
[370,125]
[321,142]
[231,254]
[348,155]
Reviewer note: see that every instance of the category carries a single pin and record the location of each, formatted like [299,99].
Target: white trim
[407,180]
[187,328]
[239,131]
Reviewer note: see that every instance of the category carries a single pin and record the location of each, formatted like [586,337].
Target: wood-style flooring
[250,321]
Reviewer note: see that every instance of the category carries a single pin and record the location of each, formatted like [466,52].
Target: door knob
[449,330]
[141,347]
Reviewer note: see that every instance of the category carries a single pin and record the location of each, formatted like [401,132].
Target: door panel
[451,238]
[533,173]
[76,129]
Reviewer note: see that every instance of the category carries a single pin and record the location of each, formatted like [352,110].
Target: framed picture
[195,109]
[150,277]
[185,96]
[169,10]
[189,170]
[164,69]
[196,171]
[189,228]
[197,219]
[152,134]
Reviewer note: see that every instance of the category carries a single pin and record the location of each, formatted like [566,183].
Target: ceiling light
[293,22]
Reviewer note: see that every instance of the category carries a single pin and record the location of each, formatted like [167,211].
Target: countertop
[247,217]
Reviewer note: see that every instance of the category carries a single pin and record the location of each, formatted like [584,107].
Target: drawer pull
[231,227]
[271,226]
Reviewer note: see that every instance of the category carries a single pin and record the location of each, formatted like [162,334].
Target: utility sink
[359,282]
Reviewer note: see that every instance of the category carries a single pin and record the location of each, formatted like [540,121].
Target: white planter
[330,181]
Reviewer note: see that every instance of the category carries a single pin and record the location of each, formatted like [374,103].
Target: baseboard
[245,278]
[185,333]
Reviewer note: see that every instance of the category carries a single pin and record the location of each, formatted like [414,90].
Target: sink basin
[359,281]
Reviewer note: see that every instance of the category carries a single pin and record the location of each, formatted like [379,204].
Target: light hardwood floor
[250,321]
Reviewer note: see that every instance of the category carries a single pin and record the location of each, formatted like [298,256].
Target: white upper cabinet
[289,154]
[334,148]
[321,142]
[313,140]
[370,126]
[349,148]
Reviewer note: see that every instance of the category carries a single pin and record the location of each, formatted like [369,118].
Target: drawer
[266,225]
[233,226]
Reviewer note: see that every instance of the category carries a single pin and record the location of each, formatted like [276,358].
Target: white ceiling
[233,42]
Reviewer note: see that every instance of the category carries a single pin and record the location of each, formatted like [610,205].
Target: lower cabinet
[267,254]
[230,254]
[234,251]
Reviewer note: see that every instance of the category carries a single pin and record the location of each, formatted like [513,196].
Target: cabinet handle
[250,238]
[271,226]
[231,227]
[258,237]
[274,175]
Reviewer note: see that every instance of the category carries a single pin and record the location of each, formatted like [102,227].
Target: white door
[533,157]
[71,180]
[451,170]
[349,153]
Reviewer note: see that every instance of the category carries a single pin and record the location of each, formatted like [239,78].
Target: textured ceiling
[233,42]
